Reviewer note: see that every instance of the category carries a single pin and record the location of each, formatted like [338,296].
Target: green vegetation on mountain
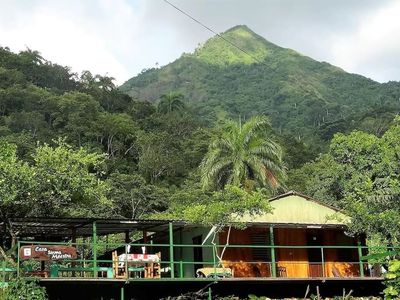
[305,99]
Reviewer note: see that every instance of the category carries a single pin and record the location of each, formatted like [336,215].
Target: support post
[272,243]
[4,265]
[171,249]
[145,241]
[122,292]
[181,269]
[73,243]
[73,237]
[127,238]
[94,249]
[18,258]
[214,252]
[323,262]
[359,258]
[126,263]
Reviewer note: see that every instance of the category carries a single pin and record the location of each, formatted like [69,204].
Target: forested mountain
[306,99]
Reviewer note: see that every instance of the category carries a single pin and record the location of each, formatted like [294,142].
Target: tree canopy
[243,155]
[360,174]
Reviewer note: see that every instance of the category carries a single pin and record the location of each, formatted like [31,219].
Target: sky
[119,38]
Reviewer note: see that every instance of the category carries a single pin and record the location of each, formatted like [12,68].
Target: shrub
[21,289]
[392,282]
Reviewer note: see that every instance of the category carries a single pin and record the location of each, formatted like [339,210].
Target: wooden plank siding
[240,260]
[293,262]
[339,262]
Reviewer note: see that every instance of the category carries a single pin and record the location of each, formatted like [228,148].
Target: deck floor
[145,289]
[241,279]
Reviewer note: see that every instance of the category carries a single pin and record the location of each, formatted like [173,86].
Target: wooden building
[302,243]
[301,238]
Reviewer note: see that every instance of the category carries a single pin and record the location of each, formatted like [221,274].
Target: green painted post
[209,293]
[122,293]
[94,241]
[171,249]
[272,242]
[126,262]
[214,251]
[359,258]
[180,269]
[19,246]
[4,272]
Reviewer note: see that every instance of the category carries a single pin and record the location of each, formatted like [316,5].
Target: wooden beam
[127,238]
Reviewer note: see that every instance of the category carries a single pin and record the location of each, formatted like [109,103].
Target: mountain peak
[240,28]
[220,52]
[303,97]
[244,30]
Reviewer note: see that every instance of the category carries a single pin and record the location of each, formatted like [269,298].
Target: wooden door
[292,262]
[314,238]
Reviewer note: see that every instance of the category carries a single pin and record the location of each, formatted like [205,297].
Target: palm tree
[170,102]
[243,155]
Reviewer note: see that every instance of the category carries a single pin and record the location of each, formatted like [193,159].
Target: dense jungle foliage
[70,142]
[76,145]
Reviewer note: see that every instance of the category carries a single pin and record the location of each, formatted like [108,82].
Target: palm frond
[241,153]
[257,126]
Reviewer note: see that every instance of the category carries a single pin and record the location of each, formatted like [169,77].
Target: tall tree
[243,155]
[170,102]
[16,181]
[360,174]
[67,182]
[133,198]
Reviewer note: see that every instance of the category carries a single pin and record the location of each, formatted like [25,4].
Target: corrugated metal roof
[289,209]
[294,208]
[82,227]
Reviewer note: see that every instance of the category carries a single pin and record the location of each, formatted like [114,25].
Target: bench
[211,272]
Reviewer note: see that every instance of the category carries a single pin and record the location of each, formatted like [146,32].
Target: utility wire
[216,33]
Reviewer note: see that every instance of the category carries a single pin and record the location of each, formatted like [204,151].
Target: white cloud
[82,35]
[373,47]
[122,37]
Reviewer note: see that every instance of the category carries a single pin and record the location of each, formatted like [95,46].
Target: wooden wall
[291,262]
[335,265]
[240,260]
[294,261]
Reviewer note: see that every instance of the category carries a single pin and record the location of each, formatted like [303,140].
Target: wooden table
[148,264]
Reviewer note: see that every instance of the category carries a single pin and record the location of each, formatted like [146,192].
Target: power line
[216,33]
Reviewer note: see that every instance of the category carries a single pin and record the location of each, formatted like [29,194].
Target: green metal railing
[176,267]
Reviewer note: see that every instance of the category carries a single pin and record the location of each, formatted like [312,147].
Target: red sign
[44,252]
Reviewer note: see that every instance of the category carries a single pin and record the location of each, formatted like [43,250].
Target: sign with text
[47,252]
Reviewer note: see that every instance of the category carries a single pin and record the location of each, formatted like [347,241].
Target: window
[261,239]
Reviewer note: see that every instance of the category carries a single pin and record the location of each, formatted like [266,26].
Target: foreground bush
[392,282]
[21,289]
